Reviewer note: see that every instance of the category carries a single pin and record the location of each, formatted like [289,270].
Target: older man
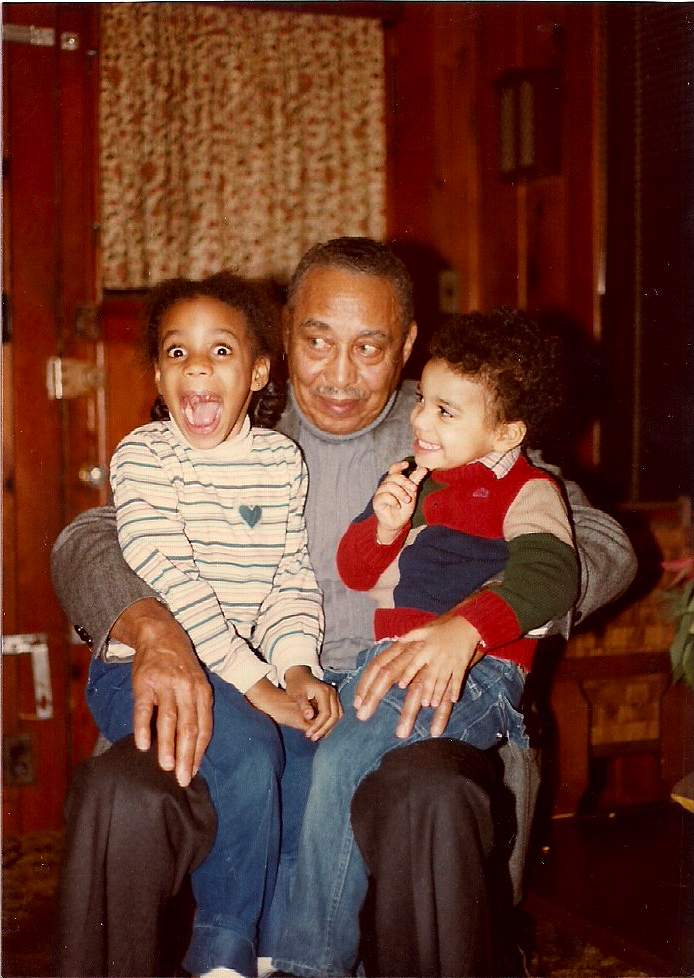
[349,329]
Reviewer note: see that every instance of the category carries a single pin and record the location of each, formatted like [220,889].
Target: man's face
[346,347]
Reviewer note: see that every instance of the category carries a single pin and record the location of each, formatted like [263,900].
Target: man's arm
[606,557]
[104,598]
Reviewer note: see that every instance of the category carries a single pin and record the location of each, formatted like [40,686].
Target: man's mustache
[341,394]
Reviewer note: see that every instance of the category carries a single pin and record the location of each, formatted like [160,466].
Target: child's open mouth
[202,411]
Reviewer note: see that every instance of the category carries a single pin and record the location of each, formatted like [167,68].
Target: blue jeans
[321,936]
[258,776]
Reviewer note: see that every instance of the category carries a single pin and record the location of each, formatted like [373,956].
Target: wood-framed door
[50,297]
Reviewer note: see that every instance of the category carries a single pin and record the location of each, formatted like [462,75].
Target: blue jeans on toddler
[258,776]
[321,935]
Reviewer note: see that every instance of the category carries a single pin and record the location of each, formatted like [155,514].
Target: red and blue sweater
[488,540]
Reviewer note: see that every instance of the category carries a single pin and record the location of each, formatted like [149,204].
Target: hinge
[42,37]
[35,645]
[67,377]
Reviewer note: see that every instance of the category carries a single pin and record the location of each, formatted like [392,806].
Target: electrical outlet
[18,760]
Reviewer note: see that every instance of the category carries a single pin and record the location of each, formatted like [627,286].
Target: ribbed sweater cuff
[361,559]
[492,617]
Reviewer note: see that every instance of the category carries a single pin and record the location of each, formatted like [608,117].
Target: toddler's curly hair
[517,360]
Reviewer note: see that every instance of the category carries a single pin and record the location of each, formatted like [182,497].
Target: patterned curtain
[235,138]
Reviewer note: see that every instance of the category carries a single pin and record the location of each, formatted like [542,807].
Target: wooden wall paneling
[130,389]
[501,234]
[410,56]
[584,169]
[457,146]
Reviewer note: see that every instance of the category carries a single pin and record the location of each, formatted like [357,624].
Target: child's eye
[444,413]
[175,352]
[419,397]
[222,350]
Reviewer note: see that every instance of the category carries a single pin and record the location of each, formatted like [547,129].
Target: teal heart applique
[250,514]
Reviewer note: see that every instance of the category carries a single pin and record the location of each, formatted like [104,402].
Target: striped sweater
[219,534]
[490,540]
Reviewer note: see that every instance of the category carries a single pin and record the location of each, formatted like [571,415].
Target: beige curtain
[235,138]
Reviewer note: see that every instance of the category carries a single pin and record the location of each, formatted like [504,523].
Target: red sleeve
[361,559]
[493,618]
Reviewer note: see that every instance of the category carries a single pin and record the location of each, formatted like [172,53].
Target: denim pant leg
[243,767]
[296,781]
[321,936]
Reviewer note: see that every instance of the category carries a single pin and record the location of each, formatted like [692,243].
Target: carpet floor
[30,877]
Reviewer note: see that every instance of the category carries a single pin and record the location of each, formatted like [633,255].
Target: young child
[210,514]
[464,557]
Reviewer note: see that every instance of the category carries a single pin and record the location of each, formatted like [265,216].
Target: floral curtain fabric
[232,138]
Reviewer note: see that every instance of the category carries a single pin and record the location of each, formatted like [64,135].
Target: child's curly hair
[260,311]
[517,360]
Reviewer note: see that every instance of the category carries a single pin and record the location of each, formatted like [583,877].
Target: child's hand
[267,698]
[447,647]
[439,655]
[318,702]
[395,500]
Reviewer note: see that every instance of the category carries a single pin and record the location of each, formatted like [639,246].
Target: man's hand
[267,698]
[433,661]
[166,674]
[319,703]
[395,500]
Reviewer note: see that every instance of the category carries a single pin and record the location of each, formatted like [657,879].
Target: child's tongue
[200,410]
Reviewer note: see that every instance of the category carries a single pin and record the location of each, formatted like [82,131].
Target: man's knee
[437,781]
[127,787]
[417,768]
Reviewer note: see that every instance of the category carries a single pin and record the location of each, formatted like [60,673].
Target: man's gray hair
[362,255]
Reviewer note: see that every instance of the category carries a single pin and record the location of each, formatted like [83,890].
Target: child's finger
[398,467]
[440,687]
[417,662]
[328,712]
[398,488]
[332,717]
[456,685]
[418,474]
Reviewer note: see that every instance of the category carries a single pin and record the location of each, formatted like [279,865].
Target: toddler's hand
[267,698]
[395,500]
[443,650]
[318,702]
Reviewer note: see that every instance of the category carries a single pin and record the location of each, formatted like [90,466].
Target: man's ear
[261,373]
[410,337]
[509,434]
